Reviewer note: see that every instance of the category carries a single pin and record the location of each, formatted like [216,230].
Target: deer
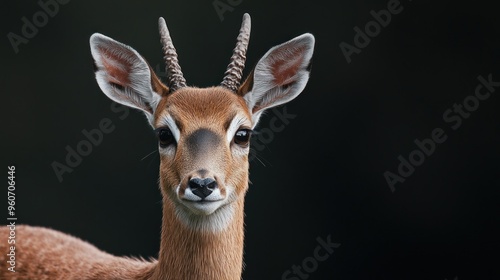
[203,143]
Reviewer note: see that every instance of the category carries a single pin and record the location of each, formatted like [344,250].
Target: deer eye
[165,137]
[242,136]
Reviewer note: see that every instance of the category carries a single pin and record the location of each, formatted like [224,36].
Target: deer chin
[212,214]
[207,217]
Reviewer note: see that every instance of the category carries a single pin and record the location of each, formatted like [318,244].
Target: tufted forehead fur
[194,108]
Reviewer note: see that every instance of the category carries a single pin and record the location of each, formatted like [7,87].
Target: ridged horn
[234,72]
[175,78]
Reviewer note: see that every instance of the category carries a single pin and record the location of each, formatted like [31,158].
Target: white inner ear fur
[128,70]
[290,60]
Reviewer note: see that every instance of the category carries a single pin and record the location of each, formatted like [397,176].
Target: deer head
[203,133]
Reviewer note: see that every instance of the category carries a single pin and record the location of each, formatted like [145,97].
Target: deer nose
[202,187]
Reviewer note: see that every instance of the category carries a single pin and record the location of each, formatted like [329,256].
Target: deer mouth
[203,204]
[203,207]
[212,213]
[203,201]
[212,216]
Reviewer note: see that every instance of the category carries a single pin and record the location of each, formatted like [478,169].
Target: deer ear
[124,76]
[279,76]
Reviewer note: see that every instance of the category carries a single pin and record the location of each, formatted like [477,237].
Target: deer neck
[187,253]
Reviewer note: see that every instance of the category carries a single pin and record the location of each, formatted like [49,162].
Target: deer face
[204,139]
[203,134]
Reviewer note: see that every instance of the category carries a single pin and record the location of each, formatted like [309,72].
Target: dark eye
[242,136]
[165,137]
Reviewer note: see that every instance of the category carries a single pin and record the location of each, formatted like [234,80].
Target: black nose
[202,187]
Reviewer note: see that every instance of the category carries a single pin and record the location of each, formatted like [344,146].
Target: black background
[323,175]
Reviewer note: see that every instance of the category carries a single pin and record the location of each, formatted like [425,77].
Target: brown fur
[46,254]
[186,254]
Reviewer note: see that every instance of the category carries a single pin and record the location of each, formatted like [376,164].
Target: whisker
[149,154]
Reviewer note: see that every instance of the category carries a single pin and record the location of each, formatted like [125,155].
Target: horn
[175,78]
[232,76]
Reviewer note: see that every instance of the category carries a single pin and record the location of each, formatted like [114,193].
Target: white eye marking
[167,120]
[236,123]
